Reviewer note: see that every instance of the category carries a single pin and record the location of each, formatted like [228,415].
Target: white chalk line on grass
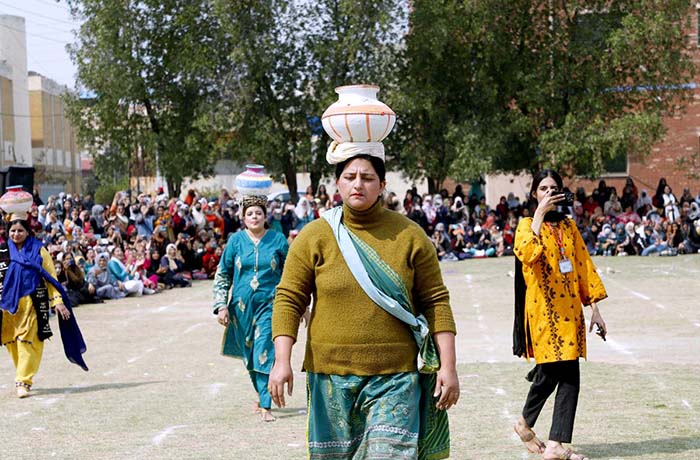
[136,358]
[660,383]
[618,347]
[160,437]
[193,327]
[647,298]
[638,294]
[511,419]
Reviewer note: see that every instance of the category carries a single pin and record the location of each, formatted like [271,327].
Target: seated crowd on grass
[146,243]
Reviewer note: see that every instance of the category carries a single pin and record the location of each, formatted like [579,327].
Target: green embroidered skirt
[363,417]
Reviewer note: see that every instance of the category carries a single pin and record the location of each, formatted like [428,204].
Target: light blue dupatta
[385,287]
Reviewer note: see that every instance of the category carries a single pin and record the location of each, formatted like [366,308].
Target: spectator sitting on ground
[160,241]
[52,222]
[173,274]
[658,241]
[691,245]
[210,260]
[612,207]
[79,290]
[198,214]
[144,220]
[106,286]
[118,270]
[629,215]
[34,223]
[441,244]
[670,205]
[89,261]
[606,241]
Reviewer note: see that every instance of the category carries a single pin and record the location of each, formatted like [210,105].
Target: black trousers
[565,376]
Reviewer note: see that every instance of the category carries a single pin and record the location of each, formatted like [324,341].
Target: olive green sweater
[349,333]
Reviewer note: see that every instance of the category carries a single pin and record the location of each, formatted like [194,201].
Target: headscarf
[694,211]
[172,263]
[42,219]
[429,209]
[337,153]
[97,211]
[301,211]
[455,207]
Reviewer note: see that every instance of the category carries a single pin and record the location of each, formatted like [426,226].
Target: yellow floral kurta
[554,323]
[23,324]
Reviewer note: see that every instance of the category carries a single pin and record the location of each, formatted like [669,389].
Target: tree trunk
[433,185]
[174,187]
[290,176]
[315,179]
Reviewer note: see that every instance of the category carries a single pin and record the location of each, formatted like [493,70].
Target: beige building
[55,153]
[14,101]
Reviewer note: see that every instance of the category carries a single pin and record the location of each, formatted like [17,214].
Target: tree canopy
[479,86]
[289,57]
[149,73]
[570,84]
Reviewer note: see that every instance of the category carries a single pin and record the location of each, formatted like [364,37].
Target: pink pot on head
[358,116]
[16,200]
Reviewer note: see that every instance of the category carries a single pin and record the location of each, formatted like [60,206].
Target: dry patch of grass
[158,388]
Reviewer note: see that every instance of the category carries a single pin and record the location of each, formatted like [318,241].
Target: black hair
[23,223]
[539,177]
[377,164]
[551,216]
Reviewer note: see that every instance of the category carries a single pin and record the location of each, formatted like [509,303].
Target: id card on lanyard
[565,265]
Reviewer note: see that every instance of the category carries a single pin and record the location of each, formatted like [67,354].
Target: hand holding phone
[567,199]
[601,332]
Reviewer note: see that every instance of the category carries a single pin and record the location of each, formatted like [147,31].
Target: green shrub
[104,194]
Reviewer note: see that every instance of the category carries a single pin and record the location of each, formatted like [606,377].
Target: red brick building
[677,156]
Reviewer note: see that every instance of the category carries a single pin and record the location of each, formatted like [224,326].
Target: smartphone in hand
[601,332]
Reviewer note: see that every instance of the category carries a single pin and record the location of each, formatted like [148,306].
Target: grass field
[158,388]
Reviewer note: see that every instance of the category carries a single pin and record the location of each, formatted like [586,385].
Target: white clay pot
[16,200]
[357,115]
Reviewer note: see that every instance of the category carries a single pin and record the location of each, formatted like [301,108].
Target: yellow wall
[37,121]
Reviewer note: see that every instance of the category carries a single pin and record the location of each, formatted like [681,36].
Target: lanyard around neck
[558,237]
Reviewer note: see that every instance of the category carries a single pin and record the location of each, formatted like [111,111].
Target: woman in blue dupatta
[29,289]
[252,262]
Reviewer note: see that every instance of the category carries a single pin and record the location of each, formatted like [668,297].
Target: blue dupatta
[385,287]
[23,277]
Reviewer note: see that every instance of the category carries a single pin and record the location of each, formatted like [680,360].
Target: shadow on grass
[90,388]
[644,449]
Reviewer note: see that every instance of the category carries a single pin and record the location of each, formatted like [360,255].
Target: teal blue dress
[251,273]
